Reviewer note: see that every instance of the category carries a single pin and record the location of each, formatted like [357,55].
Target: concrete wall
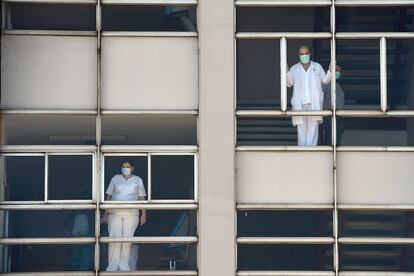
[217,248]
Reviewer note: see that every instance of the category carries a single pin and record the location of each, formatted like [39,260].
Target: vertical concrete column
[217,251]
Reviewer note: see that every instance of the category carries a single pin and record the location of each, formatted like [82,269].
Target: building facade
[195,94]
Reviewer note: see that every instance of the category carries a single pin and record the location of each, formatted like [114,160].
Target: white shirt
[307,88]
[126,189]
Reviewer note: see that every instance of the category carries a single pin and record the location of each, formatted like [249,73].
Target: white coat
[307,88]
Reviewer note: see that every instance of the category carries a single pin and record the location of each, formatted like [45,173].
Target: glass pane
[149,130]
[278,131]
[165,223]
[113,165]
[359,85]
[24,178]
[167,256]
[36,258]
[172,176]
[34,223]
[284,223]
[376,257]
[284,257]
[51,17]
[258,74]
[283,19]
[400,56]
[70,177]
[320,57]
[149,18]
[374,19]
[48,130]
[376,224]
[375,131]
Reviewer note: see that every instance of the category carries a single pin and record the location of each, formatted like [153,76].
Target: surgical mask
[304,59]
[337,74]
[126,171]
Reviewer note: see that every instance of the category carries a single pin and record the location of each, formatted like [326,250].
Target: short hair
[129,161]
[307,47]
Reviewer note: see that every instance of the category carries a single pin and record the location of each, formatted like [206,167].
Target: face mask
[337,74]
[126,171]
[304,59]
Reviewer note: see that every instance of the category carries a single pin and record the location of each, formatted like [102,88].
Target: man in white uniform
[123,222]
[307,78]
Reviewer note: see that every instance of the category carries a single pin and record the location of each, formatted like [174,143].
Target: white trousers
[308,131]
[119,253]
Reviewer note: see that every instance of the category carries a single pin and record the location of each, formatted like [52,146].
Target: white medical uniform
[307,95]
[123,222]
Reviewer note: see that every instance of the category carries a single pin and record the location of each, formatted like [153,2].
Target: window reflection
[376,258]
[376,224]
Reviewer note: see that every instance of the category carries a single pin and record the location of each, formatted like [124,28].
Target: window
[278,131]
[113,167]
[162,256]
[30,16]
[398,224]
[284,223]
[359,85]
[285,257]
[400,71]
[149,18]
[374,19]
[170,177]
[70,177]
[378,257]
[48,223]
[173,176]
[48,130]
[26,185]
[48,257]
[167,223]
[255,19]
[149,130]
[387,131]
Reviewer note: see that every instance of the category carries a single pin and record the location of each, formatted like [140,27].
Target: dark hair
[129,161]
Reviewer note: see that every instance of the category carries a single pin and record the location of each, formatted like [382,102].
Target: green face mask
[304,59]
[337,74]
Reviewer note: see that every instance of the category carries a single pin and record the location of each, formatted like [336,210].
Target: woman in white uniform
[123,222]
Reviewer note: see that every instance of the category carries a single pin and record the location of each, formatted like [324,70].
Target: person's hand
[143,219]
